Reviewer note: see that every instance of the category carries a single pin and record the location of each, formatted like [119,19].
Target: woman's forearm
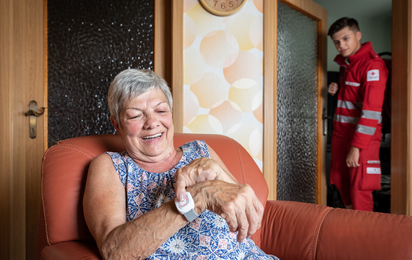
[139,238]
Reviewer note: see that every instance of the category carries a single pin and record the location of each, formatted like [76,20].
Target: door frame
[401,137]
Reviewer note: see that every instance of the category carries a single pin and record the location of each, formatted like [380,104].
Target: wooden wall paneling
[6,166]
[177,64]
[28,155]
[162,39]
[21,77]
[17,181]
[401,143]
[45,78]
[270,46]
[409,111]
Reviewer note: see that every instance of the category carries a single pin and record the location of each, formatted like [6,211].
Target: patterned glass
[89,43]
[297,107]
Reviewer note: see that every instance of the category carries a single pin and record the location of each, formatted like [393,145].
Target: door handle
[33,114]
[325,118]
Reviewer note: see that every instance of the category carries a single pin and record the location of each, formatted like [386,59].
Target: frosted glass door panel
[89,43]
[297,107]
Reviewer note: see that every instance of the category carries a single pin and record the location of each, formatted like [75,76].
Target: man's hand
[236,203]
[352,160]
[333,88]
[196,171]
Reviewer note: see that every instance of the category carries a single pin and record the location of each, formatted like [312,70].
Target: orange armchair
[290,230]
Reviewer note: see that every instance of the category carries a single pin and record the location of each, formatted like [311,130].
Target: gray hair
[131,83]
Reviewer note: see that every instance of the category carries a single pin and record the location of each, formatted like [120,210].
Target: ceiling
[356,8]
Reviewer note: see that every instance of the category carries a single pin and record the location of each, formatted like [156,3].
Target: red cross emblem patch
[373,75]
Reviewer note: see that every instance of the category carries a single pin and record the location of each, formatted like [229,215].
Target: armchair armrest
[70,250]
[290,229]
[296,230]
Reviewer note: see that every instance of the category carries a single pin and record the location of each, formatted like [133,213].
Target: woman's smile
[150,138]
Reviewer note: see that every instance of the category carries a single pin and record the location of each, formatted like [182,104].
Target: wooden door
[318,15]
[401,142]
[21,80]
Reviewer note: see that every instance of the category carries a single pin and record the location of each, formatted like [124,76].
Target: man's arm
[373,95]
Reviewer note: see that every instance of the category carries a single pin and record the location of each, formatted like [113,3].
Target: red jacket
[361,93]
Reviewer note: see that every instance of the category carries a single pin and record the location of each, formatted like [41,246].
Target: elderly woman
[134,201]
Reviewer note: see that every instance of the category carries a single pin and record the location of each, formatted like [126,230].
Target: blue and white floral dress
[207,237]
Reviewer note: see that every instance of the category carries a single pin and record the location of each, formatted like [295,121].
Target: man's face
[347,42]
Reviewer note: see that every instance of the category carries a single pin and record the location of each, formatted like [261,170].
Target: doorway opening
[375,21]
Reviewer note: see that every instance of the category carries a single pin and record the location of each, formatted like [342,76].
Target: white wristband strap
[190,215]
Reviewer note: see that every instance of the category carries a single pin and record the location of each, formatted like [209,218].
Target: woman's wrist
[198,198]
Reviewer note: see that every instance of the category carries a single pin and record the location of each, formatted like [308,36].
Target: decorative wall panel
[223,80]
[297,109]
[89,43]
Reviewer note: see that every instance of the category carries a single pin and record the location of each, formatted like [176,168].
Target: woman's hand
[352,160]
[236,203]
[198,170]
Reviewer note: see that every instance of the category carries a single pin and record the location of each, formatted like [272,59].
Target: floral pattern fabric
[207,237]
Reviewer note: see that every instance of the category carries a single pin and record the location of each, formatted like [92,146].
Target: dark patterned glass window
[89,43]
[297,107]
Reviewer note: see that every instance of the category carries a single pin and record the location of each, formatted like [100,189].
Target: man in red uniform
[357,124]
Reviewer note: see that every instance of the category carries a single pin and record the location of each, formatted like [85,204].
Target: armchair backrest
[64,172]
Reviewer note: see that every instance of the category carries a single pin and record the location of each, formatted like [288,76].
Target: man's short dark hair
[342,23]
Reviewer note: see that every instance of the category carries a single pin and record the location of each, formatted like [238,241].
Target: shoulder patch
[373,75]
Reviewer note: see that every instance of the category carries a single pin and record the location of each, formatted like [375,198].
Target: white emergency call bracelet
[187,207]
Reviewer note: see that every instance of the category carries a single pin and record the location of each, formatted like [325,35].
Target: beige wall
[223,74]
